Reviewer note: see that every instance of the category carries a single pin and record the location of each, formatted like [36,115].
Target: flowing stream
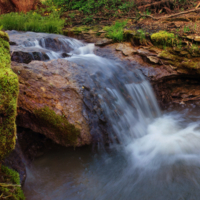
[152,155]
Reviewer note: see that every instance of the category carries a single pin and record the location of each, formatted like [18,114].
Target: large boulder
[51,101]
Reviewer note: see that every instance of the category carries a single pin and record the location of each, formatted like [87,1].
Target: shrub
[116,31]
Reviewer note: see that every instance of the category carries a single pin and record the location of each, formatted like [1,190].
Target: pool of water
[162,165]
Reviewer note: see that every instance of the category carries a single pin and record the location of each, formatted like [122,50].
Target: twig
[197,5]
[9,185]
[158,18]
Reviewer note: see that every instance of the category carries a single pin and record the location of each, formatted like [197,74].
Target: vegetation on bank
[9,180]
[116,31]
[113,6]
[8,99]
[32,21]
[92,6]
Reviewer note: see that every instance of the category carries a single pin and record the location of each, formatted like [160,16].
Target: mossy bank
[8,110]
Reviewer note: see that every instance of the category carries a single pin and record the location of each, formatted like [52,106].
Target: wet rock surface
[51,84]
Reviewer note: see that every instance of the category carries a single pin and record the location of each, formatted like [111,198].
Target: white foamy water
[165,143]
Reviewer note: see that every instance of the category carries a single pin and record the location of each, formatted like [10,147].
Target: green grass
[116,31]
[32,21]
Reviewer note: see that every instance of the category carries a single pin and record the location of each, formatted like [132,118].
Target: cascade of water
[131,108]
[157,152]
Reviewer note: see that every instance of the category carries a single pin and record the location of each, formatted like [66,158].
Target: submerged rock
[27,57]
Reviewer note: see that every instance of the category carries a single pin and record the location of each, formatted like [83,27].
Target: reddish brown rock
[17,5]
[25,5]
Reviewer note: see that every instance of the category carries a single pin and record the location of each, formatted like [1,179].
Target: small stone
[153,59]
[183,53]
[103,42]
[43,89]
[173,67]
[197,39]
[59,106]
[190,37]
[102,31]
[119,47]
[91,32]
[128,51]
[182,71]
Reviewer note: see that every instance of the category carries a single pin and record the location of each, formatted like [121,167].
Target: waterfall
[154,156]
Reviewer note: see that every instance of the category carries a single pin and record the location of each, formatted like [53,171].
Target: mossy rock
[8,99]
[10,187]
[179,61]
[63,130]
[164,38]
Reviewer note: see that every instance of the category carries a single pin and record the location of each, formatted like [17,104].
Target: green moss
[4,50]
[164,38]
[190,64]
[59,124]
[8,99]
[10,187]
[8,106]
[179,61]
[167,55]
